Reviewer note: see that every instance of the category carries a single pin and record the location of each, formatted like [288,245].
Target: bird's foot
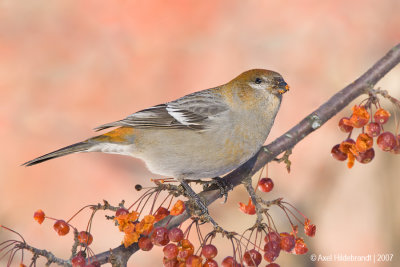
[199,203]
[222,184]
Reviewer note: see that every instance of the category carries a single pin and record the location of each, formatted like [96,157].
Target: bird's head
[260,79]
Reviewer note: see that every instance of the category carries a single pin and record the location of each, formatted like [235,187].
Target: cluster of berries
[372,126]
[265,185]
[83,238]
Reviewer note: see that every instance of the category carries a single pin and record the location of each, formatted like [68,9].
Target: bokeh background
[69,66]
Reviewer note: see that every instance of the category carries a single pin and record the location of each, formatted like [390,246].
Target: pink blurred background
[69,66]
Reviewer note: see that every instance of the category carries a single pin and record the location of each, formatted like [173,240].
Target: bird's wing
[189,112]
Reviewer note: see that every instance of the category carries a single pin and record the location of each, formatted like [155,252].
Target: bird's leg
[285,158]
[196,199]
[222,184]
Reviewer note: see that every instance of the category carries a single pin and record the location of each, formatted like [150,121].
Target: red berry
[93,264]
[381,116]
[396,149]
[209,251]
[160,236]
[170,251]
[373,129]
[287,241]
[266,184]
[161,213]
[145,243]
[175,234]
[272,265]
[121,211]
[170,262]
[78,261]
[194,261]
[39,216]
[272,250]
[272,236]
[300,247]
[252,258]
[85,238]
[229,262]
[366,156]
[386,141]
[337,154]
[61,227]
[343,127]
[210,263]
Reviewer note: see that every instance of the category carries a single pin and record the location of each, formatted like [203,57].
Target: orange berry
[39,216]
[364,142]
[178,208]
[61,227]
[309,229]
[300,247]
[249,208]
[360,117]
[194,261]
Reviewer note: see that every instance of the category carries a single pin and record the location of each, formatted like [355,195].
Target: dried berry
[161,213]
[194,261]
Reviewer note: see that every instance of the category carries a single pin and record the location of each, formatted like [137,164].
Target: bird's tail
[75,148]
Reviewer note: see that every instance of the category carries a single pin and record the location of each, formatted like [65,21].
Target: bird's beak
[283,87]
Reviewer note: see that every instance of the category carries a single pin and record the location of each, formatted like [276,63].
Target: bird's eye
[258,80]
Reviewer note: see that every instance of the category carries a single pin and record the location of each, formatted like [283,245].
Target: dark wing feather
[189,112]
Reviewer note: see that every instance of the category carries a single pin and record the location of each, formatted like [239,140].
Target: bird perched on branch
[201,135]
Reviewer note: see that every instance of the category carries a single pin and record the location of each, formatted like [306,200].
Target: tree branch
[120,255]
